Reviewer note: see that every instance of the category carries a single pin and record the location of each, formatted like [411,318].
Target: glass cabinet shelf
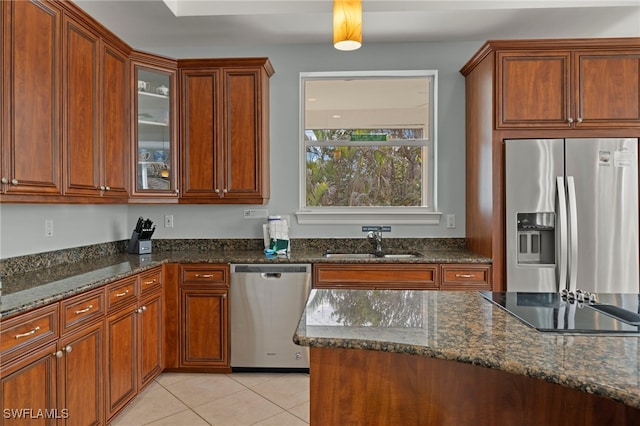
[154,144]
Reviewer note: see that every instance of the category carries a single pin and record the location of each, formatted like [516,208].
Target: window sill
[386,216]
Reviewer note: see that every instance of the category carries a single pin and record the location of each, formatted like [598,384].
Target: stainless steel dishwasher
[266,303]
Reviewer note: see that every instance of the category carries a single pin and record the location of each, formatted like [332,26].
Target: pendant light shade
[347,24]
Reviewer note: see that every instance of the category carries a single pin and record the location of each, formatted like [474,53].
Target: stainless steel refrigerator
[572,215]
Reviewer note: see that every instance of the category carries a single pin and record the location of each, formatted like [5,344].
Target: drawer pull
[464,276]
[124,293]
[28,333]
[82,311]
[204,276]
[153,281]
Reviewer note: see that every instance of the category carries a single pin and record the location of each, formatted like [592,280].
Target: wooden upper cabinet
[96,114]
[154,148]
[533,89]
[81,162]
[114,126]
[606,87]
[31,134]
[225,130]
[243,136]
[567,89]
[200,132]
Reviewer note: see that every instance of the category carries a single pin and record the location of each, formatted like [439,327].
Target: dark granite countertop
[464,327]
[25,291]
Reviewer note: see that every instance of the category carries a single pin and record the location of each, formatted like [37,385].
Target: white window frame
[371,215]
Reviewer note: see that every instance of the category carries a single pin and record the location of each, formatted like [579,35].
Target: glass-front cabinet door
[155,141]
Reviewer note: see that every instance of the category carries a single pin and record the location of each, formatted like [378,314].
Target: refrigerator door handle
[573,234]
[563,261]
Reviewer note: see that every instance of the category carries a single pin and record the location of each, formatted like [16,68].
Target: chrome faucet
[376,236]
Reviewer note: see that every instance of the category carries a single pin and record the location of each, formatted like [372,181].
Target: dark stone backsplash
[33,262]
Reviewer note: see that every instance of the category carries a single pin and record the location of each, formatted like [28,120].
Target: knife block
[137,246]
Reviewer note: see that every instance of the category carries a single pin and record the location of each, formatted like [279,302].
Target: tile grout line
[189,408]
[273,402]
[244,387]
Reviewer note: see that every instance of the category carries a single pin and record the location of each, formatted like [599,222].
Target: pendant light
[347,24]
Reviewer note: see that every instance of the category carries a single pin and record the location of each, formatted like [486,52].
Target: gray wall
[22,227]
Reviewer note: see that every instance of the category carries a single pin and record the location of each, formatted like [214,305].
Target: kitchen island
[454,358]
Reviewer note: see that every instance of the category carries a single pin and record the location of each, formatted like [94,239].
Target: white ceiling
[150,24]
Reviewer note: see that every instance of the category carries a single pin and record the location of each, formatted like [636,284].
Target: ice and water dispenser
[536,238]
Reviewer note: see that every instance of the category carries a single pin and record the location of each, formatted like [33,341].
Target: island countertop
[466,328]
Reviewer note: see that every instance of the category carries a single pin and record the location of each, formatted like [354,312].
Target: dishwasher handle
[271,275]
[271,269]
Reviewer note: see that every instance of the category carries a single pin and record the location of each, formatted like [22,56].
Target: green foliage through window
[363,173]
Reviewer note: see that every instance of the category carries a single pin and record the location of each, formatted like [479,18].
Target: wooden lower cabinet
[376,276]
[150,322]
[80,373]
[465,277]
[58,383]
[204,316]
[121,372]
[204,337]
[29,386]
[404,276]
[355,386]
[134,339]
[80,361]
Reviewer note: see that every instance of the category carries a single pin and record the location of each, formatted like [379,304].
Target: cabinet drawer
[20,334]
[204,274]
[466,277]
[121,292]
[82,309]
[376,276]
[151,280]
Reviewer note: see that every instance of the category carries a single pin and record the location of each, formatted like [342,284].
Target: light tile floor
[198,399]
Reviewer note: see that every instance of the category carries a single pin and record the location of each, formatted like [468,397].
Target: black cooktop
[551,312]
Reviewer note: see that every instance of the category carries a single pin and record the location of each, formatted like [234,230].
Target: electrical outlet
[451,221]
[254,213]
[48,228]
[168,221]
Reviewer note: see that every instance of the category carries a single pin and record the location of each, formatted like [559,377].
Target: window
[368,147]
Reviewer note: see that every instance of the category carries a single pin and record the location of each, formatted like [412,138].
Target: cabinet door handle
[122,294]
[14,181]
[204,276]
[66,349]
[464,276]
[28,333]
[82,311]
[4,180]
[579,119]
[108,188]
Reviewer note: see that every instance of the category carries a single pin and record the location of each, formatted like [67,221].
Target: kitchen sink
[372,255]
